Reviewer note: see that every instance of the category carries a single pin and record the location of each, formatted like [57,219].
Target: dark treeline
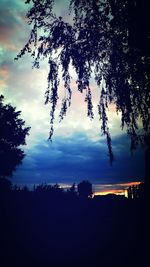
[49,226]
[136,191]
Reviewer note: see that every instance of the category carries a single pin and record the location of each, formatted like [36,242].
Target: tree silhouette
[106,39]
[85,189]
[136,191]
[12,135]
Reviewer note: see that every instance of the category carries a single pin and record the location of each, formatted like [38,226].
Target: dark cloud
[76,158]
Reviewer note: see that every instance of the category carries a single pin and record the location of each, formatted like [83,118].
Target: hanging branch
[103,117]
[102,39]
[88,99]
[52,93]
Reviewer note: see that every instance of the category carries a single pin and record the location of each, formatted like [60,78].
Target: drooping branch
[99,42]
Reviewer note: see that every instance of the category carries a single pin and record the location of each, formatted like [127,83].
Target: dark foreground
[42,230]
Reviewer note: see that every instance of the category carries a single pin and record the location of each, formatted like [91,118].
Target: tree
[12,136]
[85,189]
[107,39]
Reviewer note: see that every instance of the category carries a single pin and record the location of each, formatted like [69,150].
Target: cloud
[4,75]
[73,159]
[12,16]
[78,150]
[24,87]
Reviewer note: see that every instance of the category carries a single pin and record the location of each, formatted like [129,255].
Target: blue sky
[78,150]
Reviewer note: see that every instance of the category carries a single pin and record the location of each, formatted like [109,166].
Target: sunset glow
[117,189]
[116,192]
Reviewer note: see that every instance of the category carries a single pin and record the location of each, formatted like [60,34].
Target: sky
[78,151]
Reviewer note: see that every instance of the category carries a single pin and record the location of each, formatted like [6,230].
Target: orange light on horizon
[118,191]
[113,191]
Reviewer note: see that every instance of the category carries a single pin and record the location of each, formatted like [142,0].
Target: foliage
[107,39]
[85,189]
[12,135]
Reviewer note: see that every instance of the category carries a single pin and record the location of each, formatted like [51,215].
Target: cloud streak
[73,159]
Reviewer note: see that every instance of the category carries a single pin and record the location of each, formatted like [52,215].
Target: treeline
[136,191]
[82,190]
[50,226]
